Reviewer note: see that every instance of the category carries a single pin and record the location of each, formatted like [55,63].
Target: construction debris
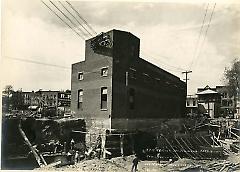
[120,164]
[60,143]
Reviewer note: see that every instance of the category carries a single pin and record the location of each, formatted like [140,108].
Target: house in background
[47,98]
[227,102]
[192,104]
[23,100]
[217,101]
[30,99]
[64,100]
[210,99]
[116,89]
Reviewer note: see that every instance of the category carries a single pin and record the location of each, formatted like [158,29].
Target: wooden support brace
[172,148]
[184,149]
[103,148]
[121,145]
[37,157]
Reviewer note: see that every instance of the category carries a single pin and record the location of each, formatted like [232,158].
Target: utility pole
[186,73]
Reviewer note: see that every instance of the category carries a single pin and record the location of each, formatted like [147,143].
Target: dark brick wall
[163,97]
[91,86]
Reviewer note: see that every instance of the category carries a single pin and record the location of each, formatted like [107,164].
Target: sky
[170,34]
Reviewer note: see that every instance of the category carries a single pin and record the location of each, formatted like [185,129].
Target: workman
[135,163]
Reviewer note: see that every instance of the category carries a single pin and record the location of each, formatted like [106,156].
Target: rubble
[120,164]
[200,148]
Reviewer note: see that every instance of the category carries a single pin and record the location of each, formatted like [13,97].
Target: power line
[62,20]
[68,18]
[49,64]
[81,17]
[36,62]
[166,65]
[206,32]
[199,36]
[75,18]
[174,68]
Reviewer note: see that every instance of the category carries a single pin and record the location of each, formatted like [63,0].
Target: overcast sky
[168,32]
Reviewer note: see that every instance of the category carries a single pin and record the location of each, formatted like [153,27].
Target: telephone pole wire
[186,79]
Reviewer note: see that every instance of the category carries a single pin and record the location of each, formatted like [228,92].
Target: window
[145,77]
[80,76]
[131,98]
[132,73]
[230,103]
[104,71]
[104,98]
[188,104]
[224,95]
[62,95]
[194,102]
[224,103]
[80,99]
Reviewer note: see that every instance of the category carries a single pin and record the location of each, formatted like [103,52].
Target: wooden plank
[53,164]
[37,157]
[121,144]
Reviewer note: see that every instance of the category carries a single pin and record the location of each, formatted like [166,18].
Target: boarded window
[80,76]
[104,98]
[80,99]
[131,98]
[104,71]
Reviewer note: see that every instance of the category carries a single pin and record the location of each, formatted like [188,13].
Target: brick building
[30,99]
[64,100]
[227,102]
[47,98]
[116,89]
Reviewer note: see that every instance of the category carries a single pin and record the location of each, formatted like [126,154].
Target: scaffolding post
[103,147]
[121,144]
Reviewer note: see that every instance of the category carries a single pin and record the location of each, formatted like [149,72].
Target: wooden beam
[121,145]
[37,157]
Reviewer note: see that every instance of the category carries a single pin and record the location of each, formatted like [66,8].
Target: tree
[18,100]
[232,79]
[7,92]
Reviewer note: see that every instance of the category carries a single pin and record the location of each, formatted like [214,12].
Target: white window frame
[102,69]
[80,78]
[104,92]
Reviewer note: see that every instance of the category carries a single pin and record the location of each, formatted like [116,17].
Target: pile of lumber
[223,166]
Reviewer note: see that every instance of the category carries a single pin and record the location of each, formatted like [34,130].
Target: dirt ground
[120,164]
